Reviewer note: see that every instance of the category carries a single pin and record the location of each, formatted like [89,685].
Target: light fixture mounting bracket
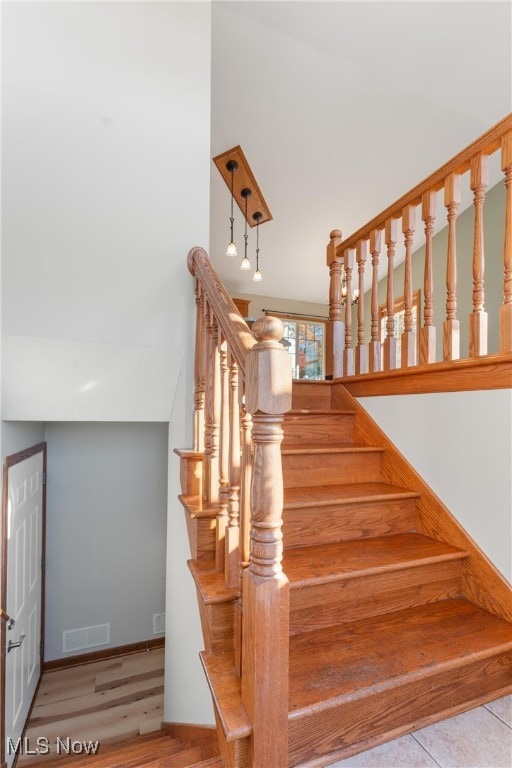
[242,179]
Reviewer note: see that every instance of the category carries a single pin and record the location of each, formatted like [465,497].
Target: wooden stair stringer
[482,582]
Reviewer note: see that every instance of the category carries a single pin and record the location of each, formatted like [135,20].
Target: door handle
[15,645]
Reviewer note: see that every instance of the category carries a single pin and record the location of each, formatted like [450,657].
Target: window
[304,340]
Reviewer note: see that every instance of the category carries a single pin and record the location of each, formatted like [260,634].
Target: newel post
[265,586]
[335,330]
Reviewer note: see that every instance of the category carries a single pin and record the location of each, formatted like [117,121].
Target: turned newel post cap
[335,240]
[268,370]
[268,329]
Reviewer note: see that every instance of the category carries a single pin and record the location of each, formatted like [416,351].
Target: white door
[24,594]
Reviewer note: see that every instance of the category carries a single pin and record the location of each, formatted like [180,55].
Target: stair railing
[373,355]
[243,386]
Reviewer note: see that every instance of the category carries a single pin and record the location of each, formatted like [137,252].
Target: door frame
[10,461]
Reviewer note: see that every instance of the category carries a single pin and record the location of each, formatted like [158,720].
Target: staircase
[155,750]
[396,619]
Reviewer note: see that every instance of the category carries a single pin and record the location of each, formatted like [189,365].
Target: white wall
[105,188]
[461,444]
[106,166]
[106,522]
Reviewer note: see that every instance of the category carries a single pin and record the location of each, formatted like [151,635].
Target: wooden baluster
[390,342]
[216,408]
[222,515]
[199,368]
[408,341]
[428,332]
[208,412]
[233,529]
[335,331]
[375,344]
[506,307]
[478,318]
[451,326]
[348,352]
[265,635]
[361,349]
[245,521]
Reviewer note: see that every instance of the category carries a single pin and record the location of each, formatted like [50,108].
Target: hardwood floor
[106,701]
[109,714]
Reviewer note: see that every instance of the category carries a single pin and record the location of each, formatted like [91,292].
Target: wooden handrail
[486,144]
[243,387]
[234,328]
[408,342]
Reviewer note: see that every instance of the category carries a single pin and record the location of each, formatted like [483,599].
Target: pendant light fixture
[232,166]
[257,277]
[246,264]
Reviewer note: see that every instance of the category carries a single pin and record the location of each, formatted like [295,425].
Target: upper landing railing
[417,345]
[243,387]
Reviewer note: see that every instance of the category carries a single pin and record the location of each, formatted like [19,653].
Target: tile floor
[481,738]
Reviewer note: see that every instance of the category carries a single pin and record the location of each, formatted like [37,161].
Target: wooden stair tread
[349,493]
[196,507]
[126,753]
[353,660]
[288,450]
[319,412]
[212,584]
[333,562]
[225,686]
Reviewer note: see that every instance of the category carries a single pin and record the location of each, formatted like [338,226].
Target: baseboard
[189,732]
[106,653]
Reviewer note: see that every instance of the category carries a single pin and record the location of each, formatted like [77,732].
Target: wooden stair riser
[311,395]
[317,429]
[217,624]
[314,469]
[323,525]
[205,535]
[323,605]
[234,753]
[363,721]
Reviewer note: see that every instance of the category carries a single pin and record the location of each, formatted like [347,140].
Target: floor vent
[158,623]
[86,637]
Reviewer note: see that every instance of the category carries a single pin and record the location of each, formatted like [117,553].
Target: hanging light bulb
[246,264]
[231,165]
[257,277]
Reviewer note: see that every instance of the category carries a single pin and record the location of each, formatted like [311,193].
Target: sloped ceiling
[340,108]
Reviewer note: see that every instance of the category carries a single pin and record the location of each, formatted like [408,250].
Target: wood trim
[26,453]
[234,328]
[189,731]
[243,177]
[106,653]
[486,144]
[482,583]
[479,373]
[242,305]
[10,461]
[317,319]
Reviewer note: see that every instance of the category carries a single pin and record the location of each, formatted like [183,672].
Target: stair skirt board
[397,619]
